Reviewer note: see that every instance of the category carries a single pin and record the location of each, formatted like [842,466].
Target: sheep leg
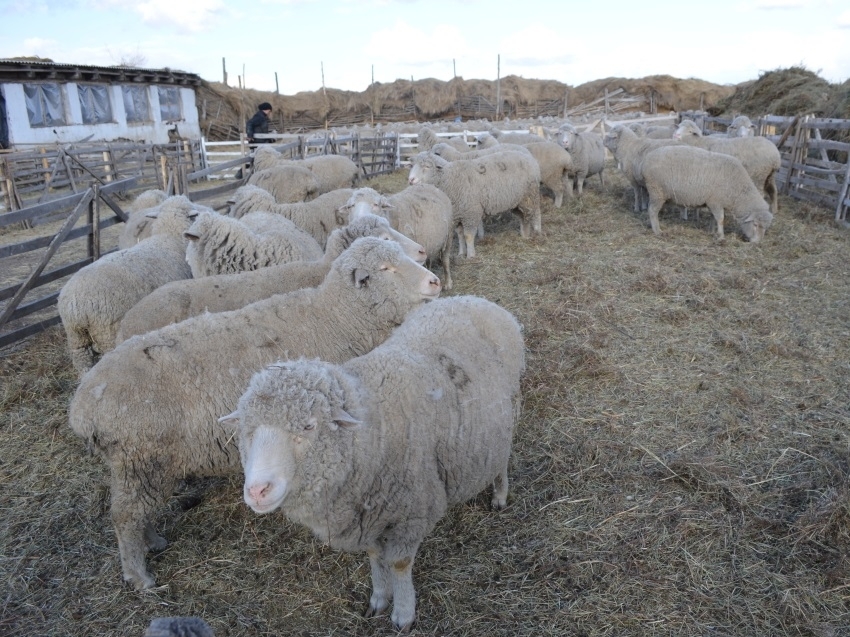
[654,208]
[470,242]
[717,211]
[500,490]
[529,210]
[772,193]
[580,181]
[404,604]
[461,241]
[81,350]
[381,585]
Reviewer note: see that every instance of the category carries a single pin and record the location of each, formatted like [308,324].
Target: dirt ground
[680,468]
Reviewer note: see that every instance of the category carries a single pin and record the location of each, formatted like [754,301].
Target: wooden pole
[244,77]
[324,93]
[373,74]
[223,72]
[454,69]
[498,85]
[276,85]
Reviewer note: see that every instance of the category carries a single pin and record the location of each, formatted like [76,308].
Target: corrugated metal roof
[19,69]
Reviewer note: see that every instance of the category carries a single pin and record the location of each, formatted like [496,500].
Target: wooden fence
[84,208]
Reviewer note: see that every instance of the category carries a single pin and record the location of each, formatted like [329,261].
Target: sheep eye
[310,426]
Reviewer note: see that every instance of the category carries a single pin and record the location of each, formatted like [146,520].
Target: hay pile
[789,92]
[682,465]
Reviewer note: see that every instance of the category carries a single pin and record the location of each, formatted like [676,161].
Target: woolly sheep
[487,186]
[287,184]
[370,454]
[741,126]
[422,212]
[516,138]
[318,217]
[93,301]
[588,155]
[691,177]
[629,150]
[150,407]
[759,155]
[331,171]
[219,244]
[179,300]
[427,139]
[138,225]
[451,153]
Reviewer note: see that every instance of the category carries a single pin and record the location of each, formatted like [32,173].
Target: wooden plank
[47,277]
[208,193]
[841,208]
[51,250]
[813,197]
[10,338]
[34,306]
[823,184]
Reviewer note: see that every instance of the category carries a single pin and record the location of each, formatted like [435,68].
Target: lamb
[427,139]
[150,407]
[487,186]
[179,300]
[588,155]
[422,212]
[741,126]
[692,176]
[629,150]
[318,217]
[219,244]
[93,301]
[759,155]
[331,171]
[370,454]
[287,184]
[138,225]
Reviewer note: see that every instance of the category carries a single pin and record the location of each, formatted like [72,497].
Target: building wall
[155,131]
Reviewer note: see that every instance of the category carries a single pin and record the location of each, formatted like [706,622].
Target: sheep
[138,225]
[427,139]
[369,454]
[450,153]
[741,126]
[487,186]
[331,171]
[318,217]
[149,408]
[179,300]
[691,176]
[588,155]
[93,301]
[287,184]
[219,244]
[629,150]
[422,212]
[516,138]
[759,155]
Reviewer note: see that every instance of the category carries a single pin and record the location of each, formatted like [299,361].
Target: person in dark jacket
[259,123]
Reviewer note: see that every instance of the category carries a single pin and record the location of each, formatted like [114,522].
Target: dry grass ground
[681,466]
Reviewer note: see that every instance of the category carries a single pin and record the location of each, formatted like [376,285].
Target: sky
[345,44]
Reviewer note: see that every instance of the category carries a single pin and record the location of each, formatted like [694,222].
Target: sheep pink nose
[435,283]
[422,253]
[259,491]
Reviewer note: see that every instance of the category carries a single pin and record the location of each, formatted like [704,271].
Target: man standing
[259,123]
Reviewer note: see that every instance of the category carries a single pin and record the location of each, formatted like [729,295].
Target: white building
[43,102]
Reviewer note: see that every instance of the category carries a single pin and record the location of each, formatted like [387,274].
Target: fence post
[94,222]
[841,209]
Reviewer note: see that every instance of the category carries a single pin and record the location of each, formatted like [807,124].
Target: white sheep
[487,186]
[150,407]
[138,225]
[93,301]
[516,138]
[759,155]
[741,126]
[692,177]
[318,217]
[179,300]
[332,171]
[370,454]
[629,149]
[287,184]
[588,155]
[422,212]
[219,244]
[427,139]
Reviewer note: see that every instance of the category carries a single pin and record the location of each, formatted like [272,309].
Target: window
[44,104]
[136,103]
[169,103]
[94,103]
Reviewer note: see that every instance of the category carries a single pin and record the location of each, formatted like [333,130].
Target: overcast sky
[723,41]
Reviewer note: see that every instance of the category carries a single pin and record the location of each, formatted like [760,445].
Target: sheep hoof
[140,582]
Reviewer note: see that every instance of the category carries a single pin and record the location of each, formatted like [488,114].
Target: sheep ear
[343,419]
[361,277]
[191,236]
[153,214]
[230,420]
[385,204]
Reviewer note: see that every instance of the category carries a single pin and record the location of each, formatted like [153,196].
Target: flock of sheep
[299,339]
